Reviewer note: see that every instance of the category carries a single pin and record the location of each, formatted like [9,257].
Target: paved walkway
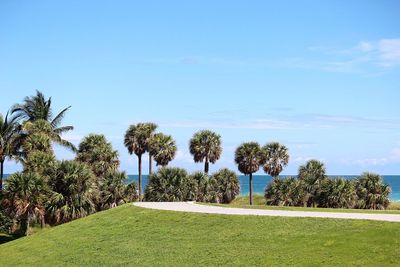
[193,207]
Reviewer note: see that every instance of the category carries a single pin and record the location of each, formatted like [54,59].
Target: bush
[372,193]
[5,223]
[202,185]
[226,186]
[74,192]
[287,191]
[170,184]
[131,192]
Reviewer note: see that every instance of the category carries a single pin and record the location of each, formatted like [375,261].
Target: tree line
[49,191]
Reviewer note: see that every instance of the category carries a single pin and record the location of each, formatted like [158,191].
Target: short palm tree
[284,192]
[372,192]
[170,184]
[8,132]
[248,157]
[136,141]
[25,198]
[228,185]
[313,176]
[205,146]
[339,193]
[163,148]
[73,191]
[113,189]
[37,108]
[99,154]
[276,157]
[313,168]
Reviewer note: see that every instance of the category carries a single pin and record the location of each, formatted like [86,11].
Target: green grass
[134,236]
[259,203]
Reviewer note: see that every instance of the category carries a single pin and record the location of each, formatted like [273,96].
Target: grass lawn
[259,203]
[133,236]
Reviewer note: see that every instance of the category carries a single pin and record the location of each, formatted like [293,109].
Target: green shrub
[226,186]
[5,223]
[170,184]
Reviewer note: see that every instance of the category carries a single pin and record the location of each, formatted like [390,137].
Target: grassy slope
[259,203]
[133,236]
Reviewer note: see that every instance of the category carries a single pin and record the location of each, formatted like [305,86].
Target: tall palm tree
[249,157]
[25,198]
[8,132]
[314,177]
[136,140]
[163,148]
[36,108]
[151,128]
[276,158]
[205,146]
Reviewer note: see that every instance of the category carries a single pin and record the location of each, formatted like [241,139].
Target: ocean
[261,181]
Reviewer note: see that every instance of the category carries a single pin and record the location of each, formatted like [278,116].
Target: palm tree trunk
[24,226]
[42,222]
[1,175]
[150,165]
[140,177]
[206,166]
[251,188]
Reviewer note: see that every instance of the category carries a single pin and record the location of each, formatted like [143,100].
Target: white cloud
[389,52]
[365,46]
[393,157]
[367,57]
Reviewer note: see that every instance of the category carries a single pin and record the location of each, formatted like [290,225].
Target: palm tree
[74,191]
[313,168]
[313,176]
[170,184]
[151,127]
[205,146]
[284,192]
[37,108]
[203,186]
[25,197]
[276,158]
[99,154]
[8,132]
[372,192]
[113,189]
[228,185]
[339,193]
[136,140]
[163,148]
[249,156]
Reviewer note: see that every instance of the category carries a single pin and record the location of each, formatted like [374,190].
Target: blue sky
[321,77]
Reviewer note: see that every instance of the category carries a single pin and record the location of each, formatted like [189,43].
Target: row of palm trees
[175,184]
[205,146]
[313,188]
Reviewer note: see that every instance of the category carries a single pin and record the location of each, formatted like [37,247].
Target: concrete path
[193,207]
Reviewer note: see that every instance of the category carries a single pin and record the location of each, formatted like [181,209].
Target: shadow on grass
[4,238]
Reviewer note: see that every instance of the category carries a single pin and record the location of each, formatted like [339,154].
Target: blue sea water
[261,181]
